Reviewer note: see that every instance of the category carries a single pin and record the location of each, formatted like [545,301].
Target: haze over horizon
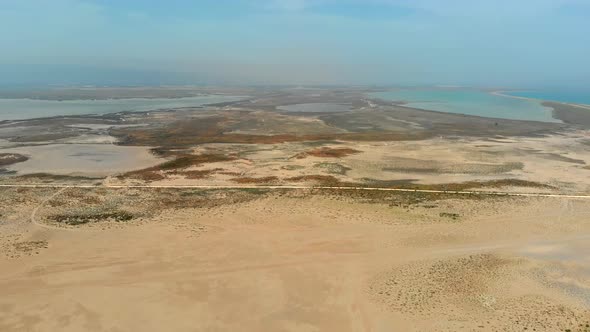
[529,43]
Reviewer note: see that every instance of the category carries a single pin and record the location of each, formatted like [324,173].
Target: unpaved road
[449,192]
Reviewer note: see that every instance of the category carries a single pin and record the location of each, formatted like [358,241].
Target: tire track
[427,191]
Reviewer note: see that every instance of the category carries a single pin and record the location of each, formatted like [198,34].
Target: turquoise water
[470,102]
[18,109]
[576,97]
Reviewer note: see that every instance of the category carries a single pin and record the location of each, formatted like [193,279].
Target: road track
[208,187]
[38,207]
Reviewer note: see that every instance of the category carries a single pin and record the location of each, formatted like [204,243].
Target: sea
[19,109]
[470,102]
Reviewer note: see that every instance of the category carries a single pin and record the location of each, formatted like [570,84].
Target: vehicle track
[38,207]
[428,191]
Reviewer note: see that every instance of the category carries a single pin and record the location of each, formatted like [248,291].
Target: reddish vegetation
[231,173]
[491,184]
[144,175]
[176,133]
[266,179]
[185,161]
[155,173]
[327,180]
[469,185]
[192,132]
[328,153]
[194,175]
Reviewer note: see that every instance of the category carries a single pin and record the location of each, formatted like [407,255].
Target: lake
[470,102]
[18,109]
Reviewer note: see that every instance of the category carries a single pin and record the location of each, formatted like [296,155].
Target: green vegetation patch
[449,215]
[321,180]
[51,178]
[333,168]
[74,219]
[255,191]
[193,160]
[433,167]
[460,186]
[292,167]
[321,143]
[30,246]
[262,180]
[326,152]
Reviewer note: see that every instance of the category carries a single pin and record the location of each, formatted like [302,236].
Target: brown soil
[144,175]
[184,161]
[45,177]
[470,185]
[329,180]
[43,137]
[328,153]
[231,173]
[79,219]
[326,180]
[246,180]
[11,158]
[571,114]
[218,129]
[28,247]
[193,175]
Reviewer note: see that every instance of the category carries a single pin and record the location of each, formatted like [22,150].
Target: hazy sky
[520,43]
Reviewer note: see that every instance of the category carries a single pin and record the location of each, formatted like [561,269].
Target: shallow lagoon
[470,102]
[17,109]
[82,159]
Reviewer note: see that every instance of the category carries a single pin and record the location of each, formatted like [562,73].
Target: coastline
[475,102]
[22,109]
[503,93]
[570,113]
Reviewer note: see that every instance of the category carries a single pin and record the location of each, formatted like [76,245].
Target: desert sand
[300,261]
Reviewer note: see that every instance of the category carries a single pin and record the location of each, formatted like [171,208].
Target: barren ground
[290,260]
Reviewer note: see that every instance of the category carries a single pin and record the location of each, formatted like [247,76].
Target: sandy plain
[296,261]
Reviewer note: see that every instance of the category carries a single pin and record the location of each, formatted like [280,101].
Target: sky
[508,43]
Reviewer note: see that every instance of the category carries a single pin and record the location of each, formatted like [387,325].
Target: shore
[566,112]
